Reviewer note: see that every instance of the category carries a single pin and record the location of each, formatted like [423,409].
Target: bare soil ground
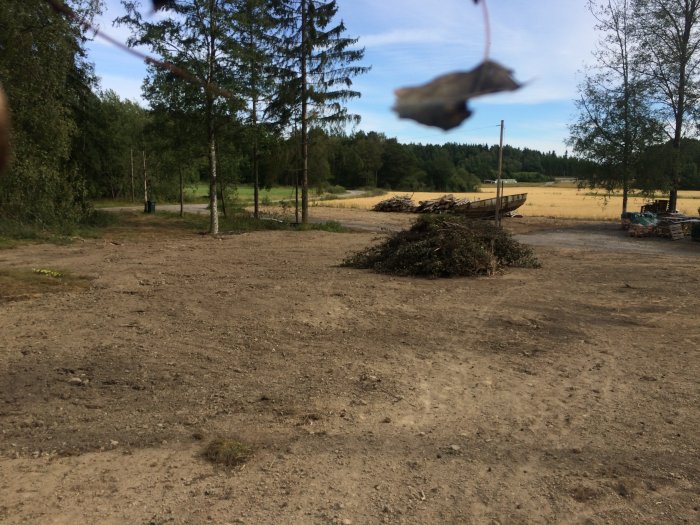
[568,394]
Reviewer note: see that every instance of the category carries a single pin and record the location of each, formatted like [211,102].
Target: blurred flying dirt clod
[443,101]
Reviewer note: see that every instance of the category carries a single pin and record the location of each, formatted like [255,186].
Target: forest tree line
[129,134]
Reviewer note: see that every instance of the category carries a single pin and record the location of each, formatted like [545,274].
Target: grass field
[245,193]
[545,201]
[200,193]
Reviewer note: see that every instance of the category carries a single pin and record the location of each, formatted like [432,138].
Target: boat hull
[487,208]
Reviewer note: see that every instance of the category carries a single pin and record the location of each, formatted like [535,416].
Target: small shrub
[695,231]
[336,190]
[327,226]
[445,246]
[227,452]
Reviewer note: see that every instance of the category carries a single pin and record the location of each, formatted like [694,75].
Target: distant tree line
[173,153]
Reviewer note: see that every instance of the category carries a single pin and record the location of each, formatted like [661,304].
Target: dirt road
[568,394]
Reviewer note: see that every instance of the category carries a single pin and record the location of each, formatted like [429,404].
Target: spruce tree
[321,64]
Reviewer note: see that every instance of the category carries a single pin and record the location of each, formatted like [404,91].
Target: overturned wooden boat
[484,209]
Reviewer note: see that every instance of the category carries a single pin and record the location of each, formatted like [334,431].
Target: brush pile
[445,204]
[445,246]
[398,203]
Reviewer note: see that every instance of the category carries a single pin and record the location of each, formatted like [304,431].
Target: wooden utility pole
[498,181]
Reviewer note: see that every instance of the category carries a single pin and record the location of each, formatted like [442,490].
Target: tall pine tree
[321,64]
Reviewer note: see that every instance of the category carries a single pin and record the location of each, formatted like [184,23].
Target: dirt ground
[566,394]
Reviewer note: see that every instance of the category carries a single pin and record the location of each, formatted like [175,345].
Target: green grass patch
[244,194]
[24,283]
[370,191]
[14,233]
[132,224]
[245,223]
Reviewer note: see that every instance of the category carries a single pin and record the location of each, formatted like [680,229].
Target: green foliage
[322,61]
[441,246]
[19,283]
[462,180]
[46,78]
[241,222]
[529,176]
[13,231]
[695,231]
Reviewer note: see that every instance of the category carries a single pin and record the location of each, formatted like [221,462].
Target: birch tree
[668,33]
[615,123]
[192,37]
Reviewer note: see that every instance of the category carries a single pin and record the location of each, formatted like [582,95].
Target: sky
[546,43]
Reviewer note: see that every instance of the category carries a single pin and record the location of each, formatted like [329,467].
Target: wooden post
[498,181]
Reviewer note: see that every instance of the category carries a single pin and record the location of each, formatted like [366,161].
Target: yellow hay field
[542,201]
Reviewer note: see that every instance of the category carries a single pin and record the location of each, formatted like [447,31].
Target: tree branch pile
[440,246]
[404,203]
[398,203]
[444,204]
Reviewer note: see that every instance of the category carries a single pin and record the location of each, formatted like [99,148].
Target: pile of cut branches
[444,204]
[396,204]
[445,246]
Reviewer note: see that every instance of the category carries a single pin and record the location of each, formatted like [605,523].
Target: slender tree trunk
[213,205]
[677,136]
[133,198]
[680,109]
[296,196]
[145,183]
[304,118]
[182,194]
[213,208]
[256,177]
[254,115]
[222,189]
[675,163]
[689,19]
